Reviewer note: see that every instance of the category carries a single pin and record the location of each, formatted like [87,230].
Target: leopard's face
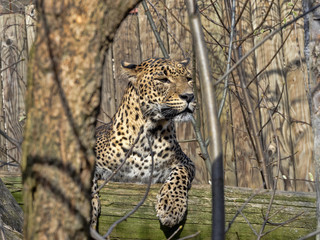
[164,88]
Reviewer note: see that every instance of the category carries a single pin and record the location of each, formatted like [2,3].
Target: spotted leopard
[159,92]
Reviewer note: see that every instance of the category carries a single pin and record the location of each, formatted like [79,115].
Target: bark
[64,79]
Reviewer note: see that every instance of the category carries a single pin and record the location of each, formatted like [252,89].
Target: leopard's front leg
[172,200]
[95,202]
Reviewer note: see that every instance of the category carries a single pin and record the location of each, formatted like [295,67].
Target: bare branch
[175,232]
[317,232]
[120,166]
[142,200]
[233,12]
[190,236]
[269,36]
[10,139]
[215,147]
[242,207]
[154,29]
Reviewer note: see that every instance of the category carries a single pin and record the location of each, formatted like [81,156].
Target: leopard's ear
[185,62]
[130,68]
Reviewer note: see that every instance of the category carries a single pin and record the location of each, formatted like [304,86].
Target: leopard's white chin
[183,117]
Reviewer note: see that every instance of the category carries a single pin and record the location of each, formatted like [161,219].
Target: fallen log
[295,209]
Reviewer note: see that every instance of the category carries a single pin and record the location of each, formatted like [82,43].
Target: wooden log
[11,215]
[117,199]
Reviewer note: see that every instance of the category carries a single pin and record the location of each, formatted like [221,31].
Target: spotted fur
[159,92]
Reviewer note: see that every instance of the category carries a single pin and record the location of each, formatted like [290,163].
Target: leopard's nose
[188,97]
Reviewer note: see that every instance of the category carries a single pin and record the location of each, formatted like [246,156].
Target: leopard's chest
[138,166]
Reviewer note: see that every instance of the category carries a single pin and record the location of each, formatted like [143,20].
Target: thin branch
[175,232]
[285,222]
[270,61]
[233,13]
[317,232]
[10,139]
[13,64]
[144,197]
[190,236]
[95,235]
[241,12]
[241,208]
[275,182]
[269,36]
[202,145]
[282,224]
[154,29]
[261,160]
[175,17]
[260,24]
[187,140]
[248,222]
[167,29]
[120,166]
[220,19]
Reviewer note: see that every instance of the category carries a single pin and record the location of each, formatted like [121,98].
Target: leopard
[141,137]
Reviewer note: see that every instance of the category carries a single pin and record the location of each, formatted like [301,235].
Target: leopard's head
[165,88]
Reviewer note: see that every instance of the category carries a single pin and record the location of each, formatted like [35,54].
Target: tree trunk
[64,78]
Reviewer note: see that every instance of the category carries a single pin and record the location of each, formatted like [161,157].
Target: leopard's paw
[171,205]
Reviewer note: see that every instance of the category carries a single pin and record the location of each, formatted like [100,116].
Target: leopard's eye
[189,79]
[164,80]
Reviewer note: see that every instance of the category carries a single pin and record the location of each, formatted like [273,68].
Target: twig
[174,16]
[20,60]
[261,160]
[120,166]
[269,36]
[100,121]
[190,236]
[187,140]
[167,29]
[202,145]
[241,208]
[270,61]
[275,182]
[248,222]
[95,235]
[175,232]
[10,139]
[154,29]
[220,19]
[142,200]
[241,12]
[282,224]
[229,57]
[317,232]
